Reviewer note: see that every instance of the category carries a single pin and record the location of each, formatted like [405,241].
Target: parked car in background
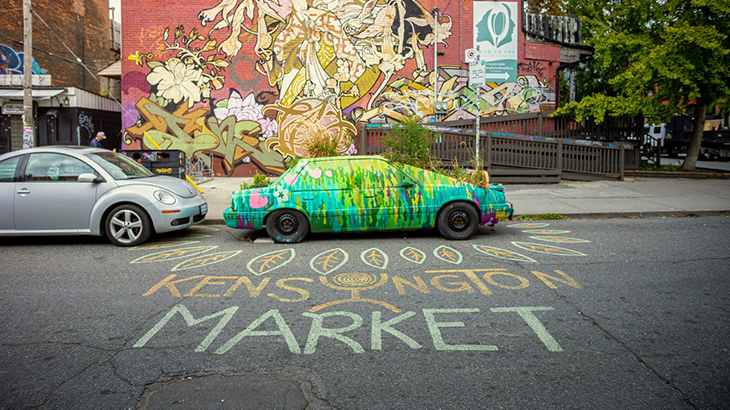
[91,191]
[365,193]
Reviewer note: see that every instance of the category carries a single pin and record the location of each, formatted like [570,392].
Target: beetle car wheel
[458,221]
[287,226]
[128,225]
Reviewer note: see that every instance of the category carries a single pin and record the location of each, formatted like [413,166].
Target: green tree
[655,58]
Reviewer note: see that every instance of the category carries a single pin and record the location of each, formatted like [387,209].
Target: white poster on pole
[495,38]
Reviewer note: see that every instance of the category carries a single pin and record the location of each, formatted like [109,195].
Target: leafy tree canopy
[655,58]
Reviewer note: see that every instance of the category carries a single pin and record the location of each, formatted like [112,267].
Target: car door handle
[24,191]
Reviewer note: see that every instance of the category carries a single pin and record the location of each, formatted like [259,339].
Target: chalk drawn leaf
[329,261]
[375,258]
[205,260]
[161,245]
[448,254]
[503,254]
[412,254]
[559,239]
[270,261]
[173,254]
[548,249]
[528,225]
[545,231]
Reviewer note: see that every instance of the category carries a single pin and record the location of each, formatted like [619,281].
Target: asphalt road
[584,314]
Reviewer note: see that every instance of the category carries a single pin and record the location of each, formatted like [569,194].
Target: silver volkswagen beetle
[91,191]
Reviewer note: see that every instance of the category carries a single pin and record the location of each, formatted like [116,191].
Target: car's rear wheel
[458,221]
[128,225]
[287,226]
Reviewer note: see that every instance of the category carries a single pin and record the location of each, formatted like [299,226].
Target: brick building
[244,87]
[69,102]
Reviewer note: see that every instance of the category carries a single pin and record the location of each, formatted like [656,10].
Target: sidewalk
[637,196]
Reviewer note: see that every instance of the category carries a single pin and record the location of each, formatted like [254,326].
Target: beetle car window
[55,168]
[7,169]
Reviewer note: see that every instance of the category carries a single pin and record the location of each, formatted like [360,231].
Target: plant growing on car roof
[409,143]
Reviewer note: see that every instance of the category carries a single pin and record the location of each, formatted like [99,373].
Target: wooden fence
[518,157]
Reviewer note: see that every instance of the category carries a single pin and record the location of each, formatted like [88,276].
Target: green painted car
[365,193]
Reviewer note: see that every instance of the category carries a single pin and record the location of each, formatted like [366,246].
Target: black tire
[287,226]
[458,221]
[128,225]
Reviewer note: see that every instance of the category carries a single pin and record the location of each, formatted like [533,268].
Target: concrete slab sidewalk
[636,196]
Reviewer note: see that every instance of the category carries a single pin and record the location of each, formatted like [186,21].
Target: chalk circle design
[360,281]
[528,225]
[547,249]
[448,254]
[329,261]
[173,254]
[545,231]
[161,245]
[503,254]
[206,260]
[270,261]
[412,254]
[375,257]
[559,239]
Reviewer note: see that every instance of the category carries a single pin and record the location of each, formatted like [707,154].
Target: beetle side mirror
[89,177]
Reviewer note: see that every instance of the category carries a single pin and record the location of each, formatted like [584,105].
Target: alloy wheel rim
[126,226]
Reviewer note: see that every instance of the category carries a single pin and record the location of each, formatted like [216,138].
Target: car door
[50,197]
[392,198]
[8,168]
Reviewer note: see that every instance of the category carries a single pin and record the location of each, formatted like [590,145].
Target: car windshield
[119,166]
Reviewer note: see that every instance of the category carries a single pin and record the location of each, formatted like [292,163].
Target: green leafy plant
[409,143]
[324,145]
[259,181]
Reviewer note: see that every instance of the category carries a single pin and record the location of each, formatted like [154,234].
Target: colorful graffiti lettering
[11,62]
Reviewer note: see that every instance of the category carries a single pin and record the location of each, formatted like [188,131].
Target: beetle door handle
[24,191]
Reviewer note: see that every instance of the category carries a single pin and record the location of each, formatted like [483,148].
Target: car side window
[47,167]
[327,175]
[7,169]
[384,175]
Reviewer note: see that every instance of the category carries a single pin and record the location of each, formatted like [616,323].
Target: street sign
[477,73]
[495,38]
[470,55]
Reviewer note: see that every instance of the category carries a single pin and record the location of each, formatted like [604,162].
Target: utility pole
[435,60]
[28,126]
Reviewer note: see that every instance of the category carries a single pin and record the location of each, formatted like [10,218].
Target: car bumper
[241,220]
[185,213]
[501,212]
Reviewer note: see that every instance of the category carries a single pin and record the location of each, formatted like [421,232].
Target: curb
[587,215]
[665,174]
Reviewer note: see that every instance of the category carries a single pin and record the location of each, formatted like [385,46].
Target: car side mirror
[89,177]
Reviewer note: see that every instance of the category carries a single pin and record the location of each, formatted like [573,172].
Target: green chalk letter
[376,339]
[535,325]
[191,321]
[284,331]
[438,340]
[317,331]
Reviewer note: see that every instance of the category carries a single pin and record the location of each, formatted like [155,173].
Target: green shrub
[259,181]
[409,143]
[325,146]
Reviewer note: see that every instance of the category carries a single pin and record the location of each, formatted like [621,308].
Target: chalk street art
[245,87]
[385,292]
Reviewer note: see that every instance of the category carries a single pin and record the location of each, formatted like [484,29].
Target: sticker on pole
[470,55]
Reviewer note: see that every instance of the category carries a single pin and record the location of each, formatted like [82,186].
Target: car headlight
[164,197]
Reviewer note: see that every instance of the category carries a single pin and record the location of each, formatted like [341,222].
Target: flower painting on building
[242,85]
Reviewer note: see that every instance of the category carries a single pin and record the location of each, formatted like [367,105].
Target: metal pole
[435,59]
[479,114]
[28,125]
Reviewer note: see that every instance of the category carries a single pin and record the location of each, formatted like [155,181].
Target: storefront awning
[113,71]
[38,93]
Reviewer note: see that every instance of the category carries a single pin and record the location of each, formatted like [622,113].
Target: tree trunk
[697,133]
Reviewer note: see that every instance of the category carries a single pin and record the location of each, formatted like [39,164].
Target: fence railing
[562,29]
[498,149]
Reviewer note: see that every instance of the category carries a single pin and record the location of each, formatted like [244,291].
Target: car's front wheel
[128,225]
[458,221]
[287,226]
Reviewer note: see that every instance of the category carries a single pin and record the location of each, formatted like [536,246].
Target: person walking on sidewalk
[96,142]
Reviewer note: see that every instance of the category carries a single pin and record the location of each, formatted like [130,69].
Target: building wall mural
[249,81]
[11,61]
